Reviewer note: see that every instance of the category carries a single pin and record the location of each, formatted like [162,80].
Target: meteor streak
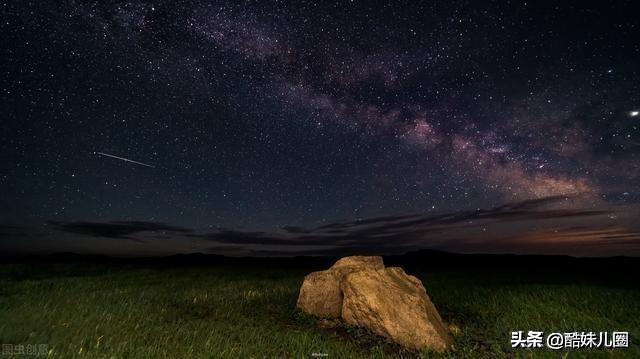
[124,159]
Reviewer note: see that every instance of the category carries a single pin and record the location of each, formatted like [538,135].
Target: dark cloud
[240,237]
[7,227]
[295,229]
[459,230]
[116,229]
[11,231]
[545,225]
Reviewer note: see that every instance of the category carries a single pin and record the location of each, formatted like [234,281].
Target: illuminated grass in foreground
[102,310]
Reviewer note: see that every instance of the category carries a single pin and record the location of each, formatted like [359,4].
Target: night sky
[261,128]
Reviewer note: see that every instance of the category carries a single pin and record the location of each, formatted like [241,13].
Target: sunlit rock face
[320,293]
[386,301]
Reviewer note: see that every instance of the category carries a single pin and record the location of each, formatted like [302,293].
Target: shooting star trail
[124,159]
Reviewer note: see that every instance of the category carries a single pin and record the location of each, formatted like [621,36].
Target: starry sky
[263,128]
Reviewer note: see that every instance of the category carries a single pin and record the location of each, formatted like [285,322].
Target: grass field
[104,310]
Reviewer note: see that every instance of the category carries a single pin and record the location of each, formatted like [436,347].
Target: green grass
[234,312]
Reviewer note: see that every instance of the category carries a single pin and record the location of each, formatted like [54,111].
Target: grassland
[125,311]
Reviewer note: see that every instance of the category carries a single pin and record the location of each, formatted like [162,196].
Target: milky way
[263,115]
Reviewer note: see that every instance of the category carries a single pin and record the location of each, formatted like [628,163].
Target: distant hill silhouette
[432,260]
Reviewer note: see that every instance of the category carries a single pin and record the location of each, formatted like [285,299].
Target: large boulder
[395,305]
[387,301]
[320,293]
